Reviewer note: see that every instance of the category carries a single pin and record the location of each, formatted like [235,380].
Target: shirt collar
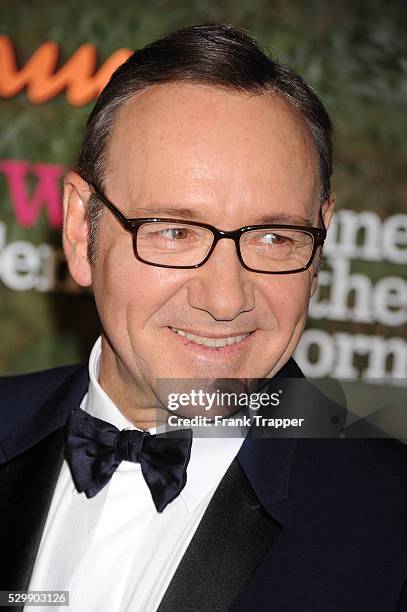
[210,457]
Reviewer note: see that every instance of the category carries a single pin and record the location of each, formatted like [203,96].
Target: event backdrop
[55,58]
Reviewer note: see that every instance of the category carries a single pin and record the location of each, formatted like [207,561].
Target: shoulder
[381,460]
[34,405]
[368,471]
[370,456]
[15,388]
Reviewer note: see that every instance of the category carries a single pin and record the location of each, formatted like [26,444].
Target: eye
[175,233]
[272,238]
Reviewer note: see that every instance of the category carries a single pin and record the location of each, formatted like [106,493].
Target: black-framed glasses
[173,243]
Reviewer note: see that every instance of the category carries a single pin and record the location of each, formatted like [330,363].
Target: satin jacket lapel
[26,487]
[232,538]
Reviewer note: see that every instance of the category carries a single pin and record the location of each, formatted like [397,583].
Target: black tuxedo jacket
[296,525]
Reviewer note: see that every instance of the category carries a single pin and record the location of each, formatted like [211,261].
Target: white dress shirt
[114,552]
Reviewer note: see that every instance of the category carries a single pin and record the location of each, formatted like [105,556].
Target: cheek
[127,292]
[288,297]
[152,294]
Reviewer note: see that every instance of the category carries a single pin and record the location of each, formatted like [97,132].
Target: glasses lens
[276,250]
[173,244]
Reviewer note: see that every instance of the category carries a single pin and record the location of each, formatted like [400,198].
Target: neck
[130,394]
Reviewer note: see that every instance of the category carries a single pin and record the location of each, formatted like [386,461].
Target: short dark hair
[217,55]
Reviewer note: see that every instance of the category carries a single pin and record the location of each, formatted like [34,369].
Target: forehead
[192,145]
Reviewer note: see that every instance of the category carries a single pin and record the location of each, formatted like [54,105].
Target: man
[197,213]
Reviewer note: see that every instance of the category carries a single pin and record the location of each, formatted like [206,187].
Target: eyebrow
[193,215]
[285,220]
[168,211]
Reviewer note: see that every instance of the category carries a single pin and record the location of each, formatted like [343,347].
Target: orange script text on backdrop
[78,75]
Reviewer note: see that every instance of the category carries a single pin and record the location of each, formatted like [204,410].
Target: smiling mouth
[211,342]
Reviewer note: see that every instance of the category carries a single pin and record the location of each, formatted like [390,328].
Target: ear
[327,209]
[75,229]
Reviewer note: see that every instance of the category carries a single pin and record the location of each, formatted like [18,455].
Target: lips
[211,342]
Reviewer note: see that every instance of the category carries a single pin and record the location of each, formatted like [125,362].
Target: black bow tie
[94,449]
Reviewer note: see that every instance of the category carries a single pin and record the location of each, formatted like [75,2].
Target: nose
[222,287]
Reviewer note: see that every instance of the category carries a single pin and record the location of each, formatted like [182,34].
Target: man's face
[203,154]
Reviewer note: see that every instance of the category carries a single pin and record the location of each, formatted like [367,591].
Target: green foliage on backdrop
[353,53]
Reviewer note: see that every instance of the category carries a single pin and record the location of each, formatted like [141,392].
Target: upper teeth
[214,342]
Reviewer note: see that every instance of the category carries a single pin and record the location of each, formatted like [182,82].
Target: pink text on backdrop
[46,193]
